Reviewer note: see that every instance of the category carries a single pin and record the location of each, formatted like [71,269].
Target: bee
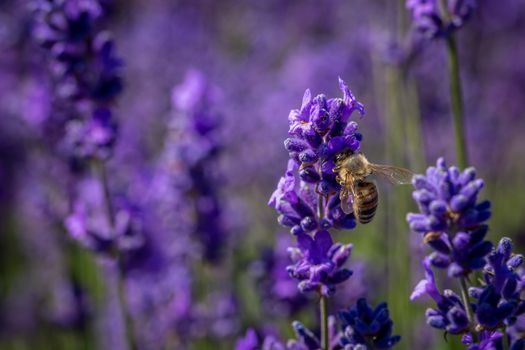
[357,194]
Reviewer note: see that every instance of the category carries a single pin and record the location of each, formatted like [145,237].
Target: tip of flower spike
[349,98]
[307,98]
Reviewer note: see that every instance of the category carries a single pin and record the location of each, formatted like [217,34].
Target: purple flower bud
[515,261]
[308,156]
[295,145]
[309,174]
[438,207]
[505,247]
[308,223]
[439,260]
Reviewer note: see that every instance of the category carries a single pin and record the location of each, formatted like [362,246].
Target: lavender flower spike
[498,300]
[319,130]
[450,313]
[431,22]
[451,218]
[318,263]
[365,326]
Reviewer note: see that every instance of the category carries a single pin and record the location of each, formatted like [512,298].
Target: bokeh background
[257,58]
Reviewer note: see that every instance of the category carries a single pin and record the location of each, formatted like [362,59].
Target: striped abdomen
[365,203]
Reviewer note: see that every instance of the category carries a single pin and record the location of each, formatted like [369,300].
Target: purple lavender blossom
[305,339]
[319,263]
[248,342]
[84,67]
[193,149]
[279,293]
[364,326]
[451,219]
[450,313]
[488,340]
[319,130]
[431,22]
[90,224]
[516,332]
[499,301]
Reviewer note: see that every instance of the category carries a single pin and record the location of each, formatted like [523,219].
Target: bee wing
[346,200]
[394,174]
[346,196]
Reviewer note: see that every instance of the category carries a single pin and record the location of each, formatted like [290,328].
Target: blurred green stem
[323,302]
[468,307]
[323,306]
[102,173]
[505,339]
[456,101]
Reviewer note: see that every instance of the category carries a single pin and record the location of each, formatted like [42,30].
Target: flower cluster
[450,314]
[278,292]
[86,72]
[305,340]
[193,150]
[318,131]
[433,21]
[452,222]
[297,202]
[451,219]
[365,326]
[90,224]
[307,197]
[362,328]
[319,263]
[498,301]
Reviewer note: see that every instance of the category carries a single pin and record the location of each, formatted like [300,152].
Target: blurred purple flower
[85,72]
[89,222]
[248,342]
[192,150]
[431,22]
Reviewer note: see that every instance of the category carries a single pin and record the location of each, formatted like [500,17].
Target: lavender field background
[141,141]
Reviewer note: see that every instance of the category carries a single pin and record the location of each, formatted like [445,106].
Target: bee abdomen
[366,201]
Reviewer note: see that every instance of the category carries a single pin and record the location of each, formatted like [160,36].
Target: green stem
[456,101]
[505,339]
[468,307]
[323,306]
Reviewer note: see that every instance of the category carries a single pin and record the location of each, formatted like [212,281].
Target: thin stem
[102,173]
[127,317]
[323,306]
[468,307]
[320,207]
[505,339]
[456,101]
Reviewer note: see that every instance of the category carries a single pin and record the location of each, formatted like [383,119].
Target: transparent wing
[346,196]
[346,200]
[394,174]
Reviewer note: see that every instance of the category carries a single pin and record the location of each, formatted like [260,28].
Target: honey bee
[357,194]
